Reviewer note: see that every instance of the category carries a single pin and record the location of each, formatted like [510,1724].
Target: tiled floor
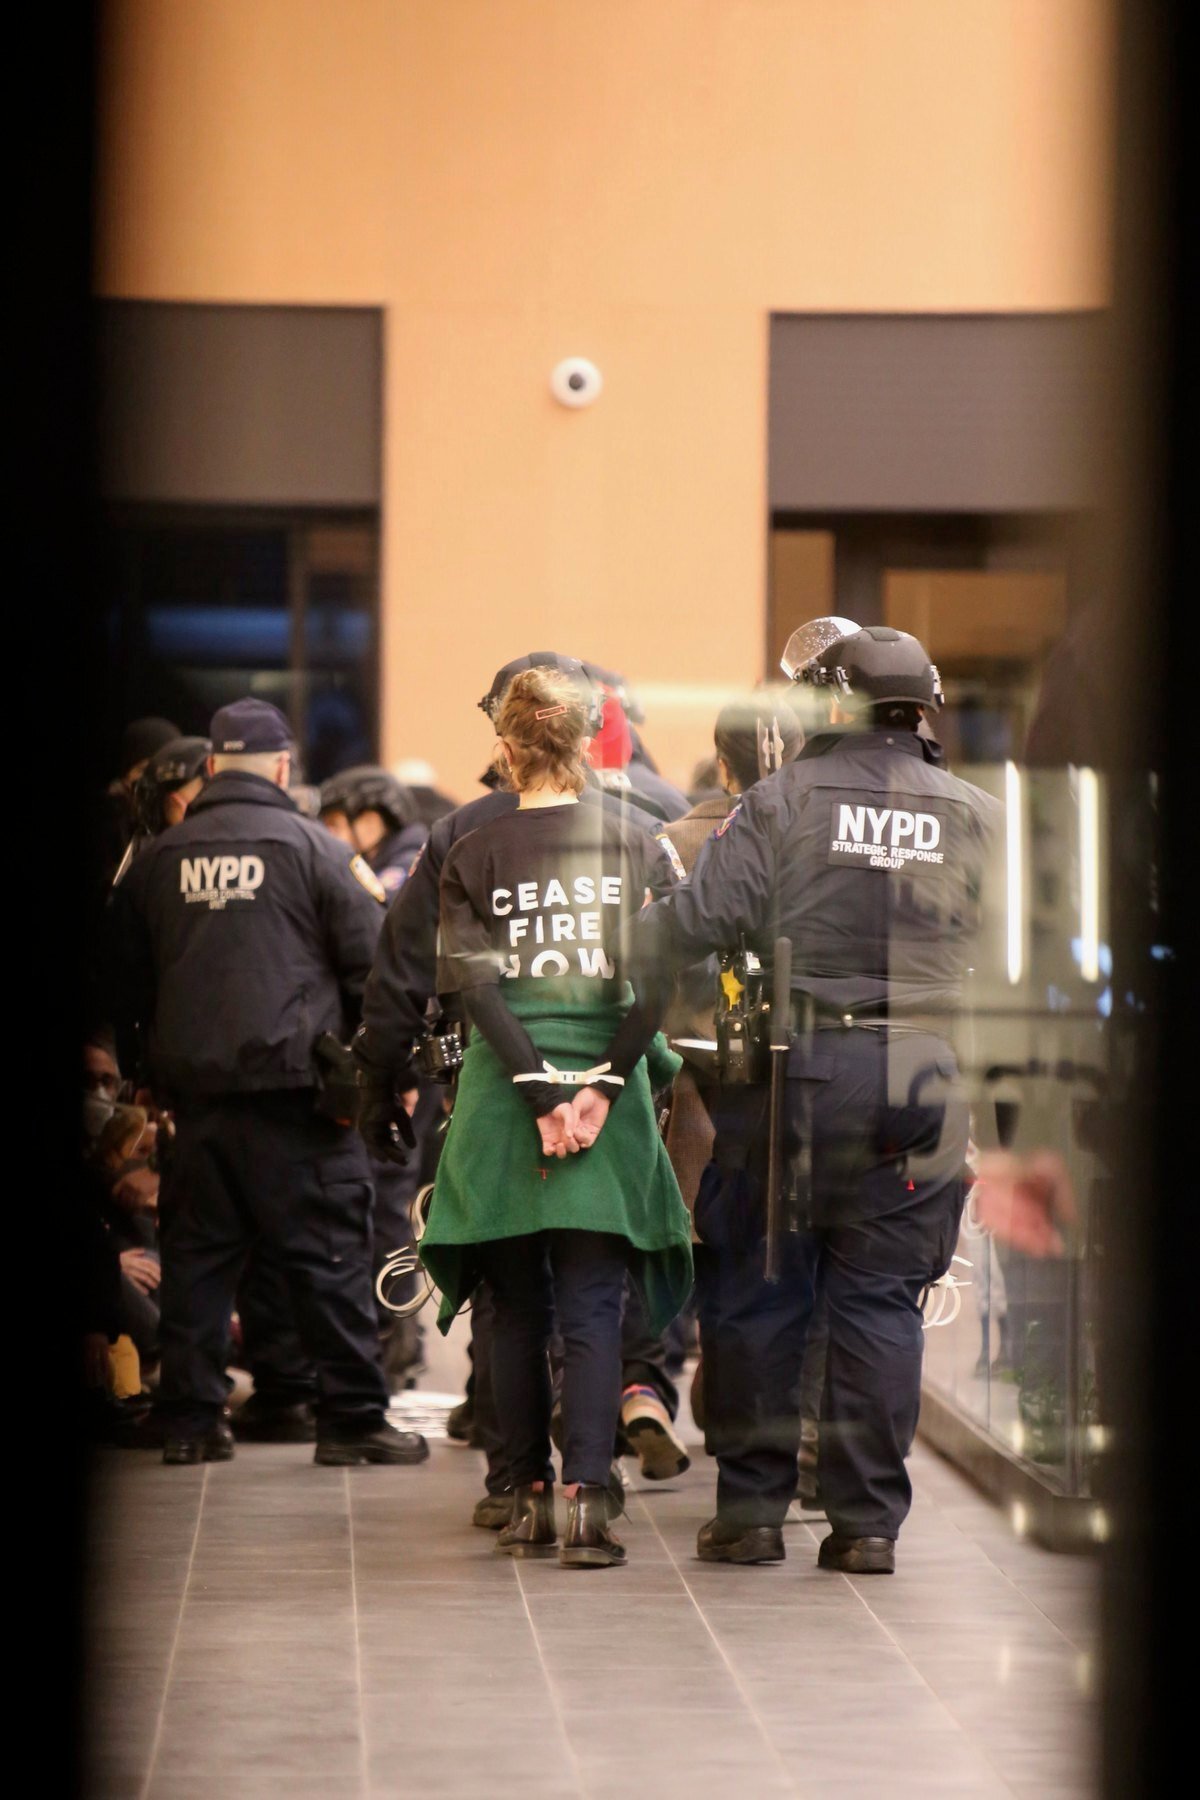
[268,1628]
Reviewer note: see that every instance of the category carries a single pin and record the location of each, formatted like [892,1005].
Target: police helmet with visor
[809,639]
[875,666]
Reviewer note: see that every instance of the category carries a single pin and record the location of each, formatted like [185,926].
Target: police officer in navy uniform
[370,810]
[868,855]
[241,937]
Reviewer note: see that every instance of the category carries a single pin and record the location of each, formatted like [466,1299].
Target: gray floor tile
[310,1591]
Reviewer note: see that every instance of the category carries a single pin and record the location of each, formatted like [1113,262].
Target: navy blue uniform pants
[888,1132]
[272,1349]
[265,1167]
[574,1280]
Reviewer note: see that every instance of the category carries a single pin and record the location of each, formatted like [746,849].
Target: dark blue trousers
[889,1133]
[643,1361]
[252,1167]
[272,1349]
[574,1280]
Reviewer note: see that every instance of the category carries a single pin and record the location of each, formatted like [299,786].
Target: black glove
[383,1122]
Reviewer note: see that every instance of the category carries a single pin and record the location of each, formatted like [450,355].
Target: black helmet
[545,659]
[876,665]
[368,788]
[177,762]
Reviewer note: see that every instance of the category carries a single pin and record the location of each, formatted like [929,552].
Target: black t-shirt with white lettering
[535,902]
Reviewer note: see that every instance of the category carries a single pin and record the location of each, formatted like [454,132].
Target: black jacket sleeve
[489,1015]
[403,977]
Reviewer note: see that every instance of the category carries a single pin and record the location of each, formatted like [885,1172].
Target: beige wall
[638,181]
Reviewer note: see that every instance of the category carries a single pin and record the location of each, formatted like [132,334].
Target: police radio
[743,1019]
[439,1052]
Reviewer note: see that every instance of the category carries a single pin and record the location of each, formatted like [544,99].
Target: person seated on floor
[125,1151]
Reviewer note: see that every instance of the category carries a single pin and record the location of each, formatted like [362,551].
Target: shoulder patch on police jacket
[366,877]
[727,821]
[672,852]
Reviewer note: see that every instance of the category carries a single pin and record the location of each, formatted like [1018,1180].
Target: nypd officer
[370,811]
[867,854]
[241,937]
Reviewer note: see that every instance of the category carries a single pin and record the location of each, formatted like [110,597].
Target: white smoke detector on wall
[575,381]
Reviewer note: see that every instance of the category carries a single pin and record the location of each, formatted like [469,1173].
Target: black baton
[781,1041]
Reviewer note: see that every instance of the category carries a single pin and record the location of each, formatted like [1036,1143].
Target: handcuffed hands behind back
[591,1109]
[573,1126]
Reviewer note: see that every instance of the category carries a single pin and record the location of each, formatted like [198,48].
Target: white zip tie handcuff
[573,1077]
[946,1288]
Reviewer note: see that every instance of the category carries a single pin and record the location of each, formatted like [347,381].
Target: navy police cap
[248,728]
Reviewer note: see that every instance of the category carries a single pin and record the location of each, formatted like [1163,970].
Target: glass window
[205,607]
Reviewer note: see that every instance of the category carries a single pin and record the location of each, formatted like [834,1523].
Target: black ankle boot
[530,1531]
[213,1445]
[588,1543]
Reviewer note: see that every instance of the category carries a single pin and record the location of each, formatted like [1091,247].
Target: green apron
[493,1181]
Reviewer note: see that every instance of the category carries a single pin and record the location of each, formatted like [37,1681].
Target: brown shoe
[857,1555]
[493,1512]
[588,1542]
[530,1531]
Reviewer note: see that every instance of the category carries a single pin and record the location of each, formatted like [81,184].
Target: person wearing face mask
[101,1084]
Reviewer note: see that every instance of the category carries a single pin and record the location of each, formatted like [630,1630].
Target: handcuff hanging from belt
[438,1056]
